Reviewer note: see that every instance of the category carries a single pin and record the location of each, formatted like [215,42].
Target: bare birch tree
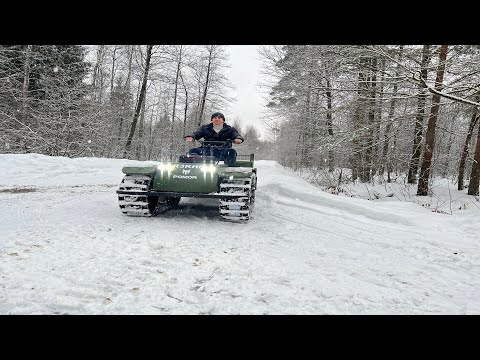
[473,186]
[463,159]
[211,49]
[140,101]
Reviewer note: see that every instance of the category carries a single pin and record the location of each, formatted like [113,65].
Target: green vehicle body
[146,189]
[191,178]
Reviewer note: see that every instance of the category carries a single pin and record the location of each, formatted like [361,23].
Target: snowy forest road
[66,248]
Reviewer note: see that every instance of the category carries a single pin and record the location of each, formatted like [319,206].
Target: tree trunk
[25,92]
[475,174]
[150,144]
[378,118]
[372,84]
[417,135]
[430,136]
[112,75]
[463,159]
[172,127]
[26,80]
[205,89]
[185,111]
[388,127]
[97,65]
[307,133]
[365,114]
[125,94]
[358,124]
[141,126]
[447,156]
[329,124]
[97,74]
[141,99]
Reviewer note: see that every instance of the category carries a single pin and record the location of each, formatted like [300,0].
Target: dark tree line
[376,112]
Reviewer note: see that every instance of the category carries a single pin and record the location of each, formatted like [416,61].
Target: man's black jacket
[227,133]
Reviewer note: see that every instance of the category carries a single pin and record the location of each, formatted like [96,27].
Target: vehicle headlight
[166,167]
[208,168]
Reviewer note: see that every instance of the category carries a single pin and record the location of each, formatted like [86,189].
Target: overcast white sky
[244,74]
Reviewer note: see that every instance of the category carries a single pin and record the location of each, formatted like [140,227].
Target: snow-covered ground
[444,196]
[65,248]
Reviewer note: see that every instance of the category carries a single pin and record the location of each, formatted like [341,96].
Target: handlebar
[215,142]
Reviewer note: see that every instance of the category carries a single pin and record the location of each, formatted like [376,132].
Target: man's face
[217,120]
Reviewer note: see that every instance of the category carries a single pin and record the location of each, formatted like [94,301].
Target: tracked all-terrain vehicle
[153,189]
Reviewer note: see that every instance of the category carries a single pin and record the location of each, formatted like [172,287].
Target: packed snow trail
[65,248]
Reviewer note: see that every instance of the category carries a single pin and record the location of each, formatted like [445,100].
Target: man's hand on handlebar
[235,141]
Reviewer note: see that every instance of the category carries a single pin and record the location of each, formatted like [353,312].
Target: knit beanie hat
[219,114]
